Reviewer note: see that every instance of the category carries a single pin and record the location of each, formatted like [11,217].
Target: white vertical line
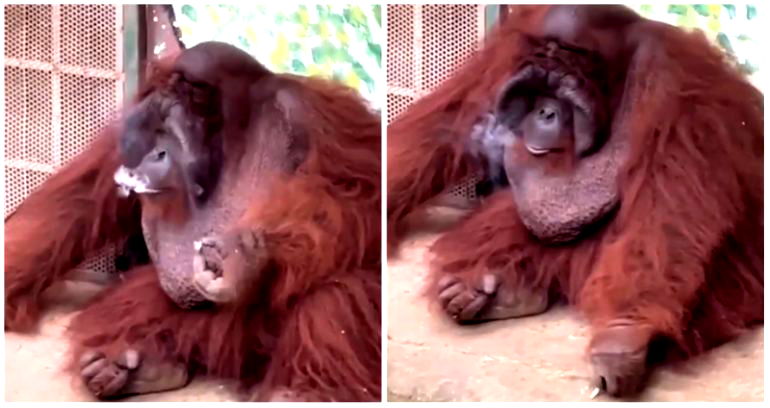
[56,102]
[119,53]
[3,169]
[417,46]
[108,257]
[481,27]
[25,184]
[384,210]
[24,110]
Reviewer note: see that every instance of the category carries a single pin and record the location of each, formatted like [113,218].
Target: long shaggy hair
[683,252]
[311,325]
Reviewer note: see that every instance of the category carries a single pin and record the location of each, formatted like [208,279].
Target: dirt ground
[431,359]
[539,358]
[34,370]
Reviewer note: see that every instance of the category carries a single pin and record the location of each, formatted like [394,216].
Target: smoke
[489,141]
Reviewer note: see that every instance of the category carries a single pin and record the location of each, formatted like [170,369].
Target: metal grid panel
[64,80]
[88,36]
[465,189]
[426,43]
[28,32]
[27,99]
[77,120]
[397,104]
[450,34]
[401,52]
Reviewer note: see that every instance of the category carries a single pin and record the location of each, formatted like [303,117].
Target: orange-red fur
[311,326]
[684,251]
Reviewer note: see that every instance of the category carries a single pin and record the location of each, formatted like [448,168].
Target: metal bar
[162,40]
[172,20]
[401,91]
[132,24]
[119,66]
[141,42]
[29,165]
[62,68]
[491,15]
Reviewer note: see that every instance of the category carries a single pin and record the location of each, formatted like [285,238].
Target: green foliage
[702,9]
[341,42]
[751,12]
[734,28]
[677,9]
[190,12]
[730,10]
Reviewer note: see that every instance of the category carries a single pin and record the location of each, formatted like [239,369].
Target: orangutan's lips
[537,151]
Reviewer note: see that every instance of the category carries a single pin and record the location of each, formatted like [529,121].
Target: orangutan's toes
[460,301]
[106,378]
[486,298]
[130,374]
[466,305]
[618,356]
[89,357]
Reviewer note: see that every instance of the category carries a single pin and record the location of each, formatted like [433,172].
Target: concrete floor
[538,358]
[33,370]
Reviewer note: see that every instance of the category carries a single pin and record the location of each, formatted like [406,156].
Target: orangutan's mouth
[537,151]
[128,181]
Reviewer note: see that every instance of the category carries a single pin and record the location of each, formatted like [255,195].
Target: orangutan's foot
[487,299]
[618,355]
[129,375]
